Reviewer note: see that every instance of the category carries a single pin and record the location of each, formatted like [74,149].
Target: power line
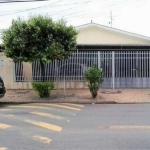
[48,5]
[88,15]
[11,12]
[61,10]
[20,1]
[82,15]
[69,9]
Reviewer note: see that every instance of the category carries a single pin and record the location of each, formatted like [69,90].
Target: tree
[94,77]
[39,38]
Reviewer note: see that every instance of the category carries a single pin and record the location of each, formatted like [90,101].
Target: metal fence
[71,69]
[122,69]
[132,69]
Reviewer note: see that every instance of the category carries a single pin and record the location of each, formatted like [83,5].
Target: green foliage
[94,77]
[39,38]
[43,88]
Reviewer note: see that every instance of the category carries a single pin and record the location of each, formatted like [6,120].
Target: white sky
[129,15]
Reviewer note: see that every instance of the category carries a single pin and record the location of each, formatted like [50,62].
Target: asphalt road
[75,127]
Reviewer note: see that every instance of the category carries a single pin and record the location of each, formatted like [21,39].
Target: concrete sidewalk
[79,96]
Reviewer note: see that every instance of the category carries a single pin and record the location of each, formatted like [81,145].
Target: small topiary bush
[43,88]
[94,77]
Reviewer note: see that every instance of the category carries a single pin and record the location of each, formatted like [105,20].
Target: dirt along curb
[74,102]
[80,96]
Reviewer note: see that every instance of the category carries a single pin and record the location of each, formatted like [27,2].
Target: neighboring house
[124,58]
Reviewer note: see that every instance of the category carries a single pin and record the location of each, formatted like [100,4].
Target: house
[124,58]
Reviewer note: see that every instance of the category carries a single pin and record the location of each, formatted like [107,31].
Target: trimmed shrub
[43,88]
[94,77]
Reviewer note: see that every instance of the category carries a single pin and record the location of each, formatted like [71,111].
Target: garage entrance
[125,69]
[124,66]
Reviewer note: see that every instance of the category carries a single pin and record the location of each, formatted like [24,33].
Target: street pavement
[33,126]
[75,127]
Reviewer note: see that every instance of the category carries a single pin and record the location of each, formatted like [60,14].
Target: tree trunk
[42,71]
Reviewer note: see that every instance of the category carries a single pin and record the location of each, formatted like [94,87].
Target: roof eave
[85,26]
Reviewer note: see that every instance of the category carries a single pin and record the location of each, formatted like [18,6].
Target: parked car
[72,69]
[2,88]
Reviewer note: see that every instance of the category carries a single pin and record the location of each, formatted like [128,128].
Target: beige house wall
[7,73]
[95,35]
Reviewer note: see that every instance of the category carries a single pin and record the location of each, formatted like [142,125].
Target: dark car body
[2,88]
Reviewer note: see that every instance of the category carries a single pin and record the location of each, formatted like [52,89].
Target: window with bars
[18,71]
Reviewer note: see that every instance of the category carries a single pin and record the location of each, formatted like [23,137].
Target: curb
[74,102]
